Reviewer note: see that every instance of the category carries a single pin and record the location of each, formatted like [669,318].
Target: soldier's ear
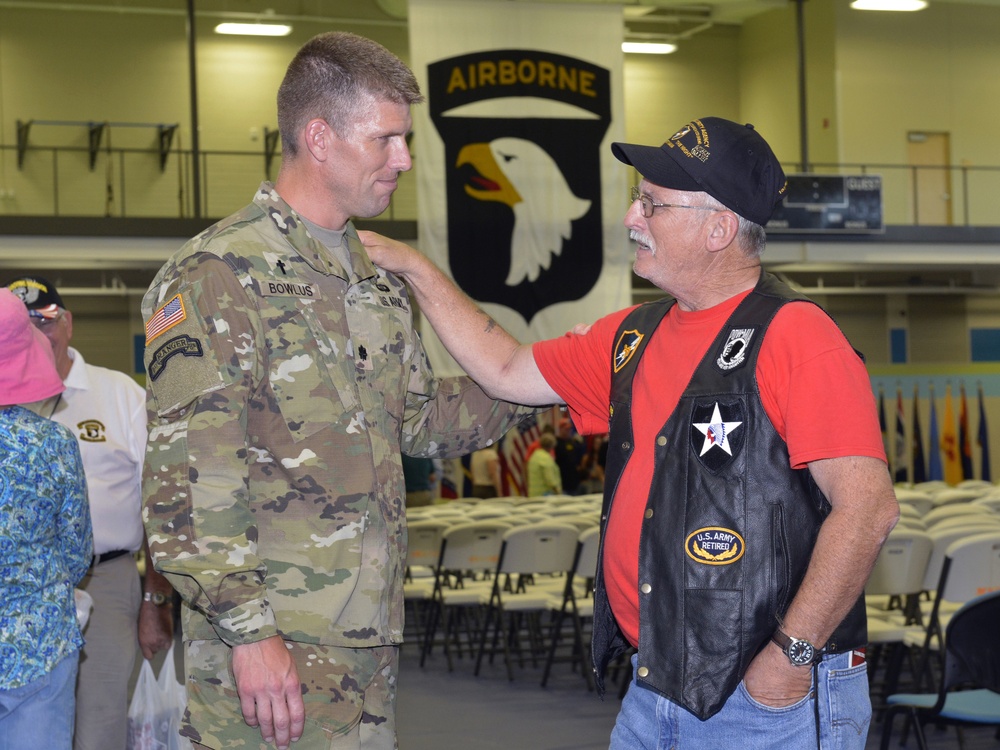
[316,137]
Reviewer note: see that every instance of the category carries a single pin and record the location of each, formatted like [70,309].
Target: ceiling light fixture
[648,48]
[254,29]
[892,5]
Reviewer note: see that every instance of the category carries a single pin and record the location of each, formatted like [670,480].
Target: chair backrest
[472,546]
[908,511]
[955,495]
[943,539]
[950,511]
[423,541]
[906,522]
[971,643]
[539,548]
[590,541]
[902,563]
[972,567]
[984,520]
[990,501]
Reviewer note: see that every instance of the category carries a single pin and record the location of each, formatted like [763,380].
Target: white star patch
[716,432]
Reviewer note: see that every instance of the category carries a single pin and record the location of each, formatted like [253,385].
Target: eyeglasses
[647,204]
[41,322]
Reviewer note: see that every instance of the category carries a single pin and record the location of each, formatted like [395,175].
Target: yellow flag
[949,442]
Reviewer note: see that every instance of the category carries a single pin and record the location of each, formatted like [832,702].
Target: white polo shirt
[106,410]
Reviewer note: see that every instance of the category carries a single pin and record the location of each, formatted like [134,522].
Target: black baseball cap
[38,295]
[729,161]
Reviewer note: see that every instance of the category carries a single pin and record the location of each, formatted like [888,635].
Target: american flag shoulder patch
[169,315]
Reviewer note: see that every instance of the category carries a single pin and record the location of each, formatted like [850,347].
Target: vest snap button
[626,445]
[648,513]
[642,672]
[661,440]
[645,588]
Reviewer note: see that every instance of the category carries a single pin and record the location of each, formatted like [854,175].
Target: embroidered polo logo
[184,345]
[717,432]
[734,352]
[91,431]
[715,545]
[627,344]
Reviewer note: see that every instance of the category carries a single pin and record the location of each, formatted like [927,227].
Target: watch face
[801,652]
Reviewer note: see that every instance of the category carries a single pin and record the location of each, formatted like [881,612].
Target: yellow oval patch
[714,545]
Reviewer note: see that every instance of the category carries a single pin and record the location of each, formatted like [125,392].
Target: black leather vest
[728,529]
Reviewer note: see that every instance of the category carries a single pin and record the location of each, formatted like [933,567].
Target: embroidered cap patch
[627,344]
[715,545]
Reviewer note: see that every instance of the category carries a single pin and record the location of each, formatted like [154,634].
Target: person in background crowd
[106,412]
[542,470]
[746,495]
[484,465]
[285,380]
[569,453]
[45,542]
[418,478]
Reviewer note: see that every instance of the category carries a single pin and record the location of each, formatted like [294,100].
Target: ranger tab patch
[715,545]
[183,344]
[627,345]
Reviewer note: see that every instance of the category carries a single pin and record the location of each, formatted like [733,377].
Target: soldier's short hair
[339,76]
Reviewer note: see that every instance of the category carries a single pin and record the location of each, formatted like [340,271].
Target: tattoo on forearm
[490,323]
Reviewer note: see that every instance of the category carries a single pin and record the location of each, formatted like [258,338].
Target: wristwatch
[156,597]
[799,652]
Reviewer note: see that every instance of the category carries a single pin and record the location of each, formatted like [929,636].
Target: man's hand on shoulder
[269,690]
[392,255]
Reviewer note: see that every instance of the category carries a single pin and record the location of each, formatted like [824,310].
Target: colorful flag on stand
[899,463]
[949,442]
[983,441]
[964,437]
[934,471]
[917,443]
[513,452]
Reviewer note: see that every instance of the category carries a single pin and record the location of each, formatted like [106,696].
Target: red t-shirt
[813,386]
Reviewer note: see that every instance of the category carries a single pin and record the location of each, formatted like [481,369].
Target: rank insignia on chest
[734,351]
[627,345]
[717,432]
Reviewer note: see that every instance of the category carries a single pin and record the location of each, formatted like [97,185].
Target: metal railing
[140,183]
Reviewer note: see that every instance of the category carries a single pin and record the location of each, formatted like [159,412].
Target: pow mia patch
[717,430]
[714,545]
[626,346]
[183,345]
[734,351]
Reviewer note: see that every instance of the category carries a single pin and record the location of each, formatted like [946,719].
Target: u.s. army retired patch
[715,545]
[183,345]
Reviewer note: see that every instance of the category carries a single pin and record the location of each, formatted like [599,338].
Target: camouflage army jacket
[281,389]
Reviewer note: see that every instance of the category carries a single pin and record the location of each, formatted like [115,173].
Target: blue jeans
[40,714]
[649,721]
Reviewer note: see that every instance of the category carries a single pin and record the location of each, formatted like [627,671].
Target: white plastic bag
[84,606]
[154,715]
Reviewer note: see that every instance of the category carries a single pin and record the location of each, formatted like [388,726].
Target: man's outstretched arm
[502,366]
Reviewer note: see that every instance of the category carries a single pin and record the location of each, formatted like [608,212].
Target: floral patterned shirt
[46,544]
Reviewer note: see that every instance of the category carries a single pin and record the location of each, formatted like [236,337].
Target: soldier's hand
[270,694]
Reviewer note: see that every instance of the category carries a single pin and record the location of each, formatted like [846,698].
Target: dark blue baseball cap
[729,161]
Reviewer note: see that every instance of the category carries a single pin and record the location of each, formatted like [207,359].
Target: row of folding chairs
[520,591]
[921,578]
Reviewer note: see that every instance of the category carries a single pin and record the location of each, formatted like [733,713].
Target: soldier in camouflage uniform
[285,378]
